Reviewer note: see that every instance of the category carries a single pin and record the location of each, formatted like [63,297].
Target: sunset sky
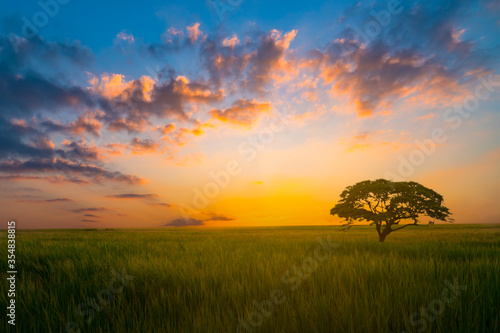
[243,112]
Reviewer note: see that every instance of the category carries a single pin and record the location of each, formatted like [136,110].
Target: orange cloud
[175,31]
[47,200]
[243,112]
[426,116]
[148,196]
[362,136]
[82,150]
[43,143]
[231,42]
[303,118]
[122,124]
[180,136]
[109,85]
[50,179]
[378,139]
[193,91]
[358,147]
[167,129]
[194,32]
[129,38]
[84,123]
[115,85]
[270,62]
[190,159]
[140,147]
[374,77]
[114,149]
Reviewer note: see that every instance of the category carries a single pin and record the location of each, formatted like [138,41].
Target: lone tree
[386,204]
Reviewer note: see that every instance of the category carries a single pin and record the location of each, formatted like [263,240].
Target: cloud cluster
[193,222]
[30,98]
[147,196]
[48,200]
[242,112]
[419,55]
[180,222]
[264,59]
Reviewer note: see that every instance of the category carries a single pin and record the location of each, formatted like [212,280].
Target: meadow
[443,278]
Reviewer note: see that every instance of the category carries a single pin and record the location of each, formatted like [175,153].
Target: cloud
[218,217]
[180,222]
[419,56]
[377,141]
[143,146]
[132,103]
[92,173]
[89,221]
[269,62]
[91,215]
[175,31]
[21,52]
[194,32]
[89,209]
[254,65]
[192,222]
[231,42]
[80,150]
[167,129]
[116,86]
[114,149]
[162,204]
[22,94]
[362,136]
[48,200]
[50,179]
[242,112]
[27,189]
[58,200]
[129,38]
[358,147]
[133,196]
[27,151]
[426,116]
[85,123]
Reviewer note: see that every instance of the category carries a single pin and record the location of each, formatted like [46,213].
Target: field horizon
[215,227]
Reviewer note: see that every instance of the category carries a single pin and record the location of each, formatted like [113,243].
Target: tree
[387,205]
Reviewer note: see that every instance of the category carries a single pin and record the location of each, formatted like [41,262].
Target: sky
[231,113]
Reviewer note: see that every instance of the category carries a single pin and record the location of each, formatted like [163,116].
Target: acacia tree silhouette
[386,204]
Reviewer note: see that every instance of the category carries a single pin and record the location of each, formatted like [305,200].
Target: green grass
[203,280]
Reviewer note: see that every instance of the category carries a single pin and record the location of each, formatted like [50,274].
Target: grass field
[203,280]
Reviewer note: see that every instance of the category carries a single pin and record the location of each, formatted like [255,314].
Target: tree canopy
[386,204]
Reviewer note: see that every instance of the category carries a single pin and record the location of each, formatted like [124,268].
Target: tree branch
[415,224]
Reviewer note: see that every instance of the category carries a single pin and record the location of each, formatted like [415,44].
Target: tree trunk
[381,237]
